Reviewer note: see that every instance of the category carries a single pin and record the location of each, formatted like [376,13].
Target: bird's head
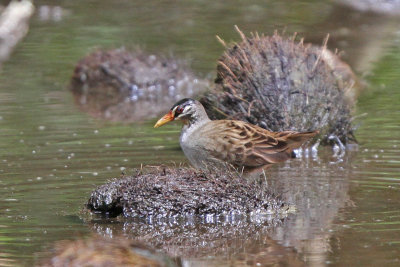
[181,110]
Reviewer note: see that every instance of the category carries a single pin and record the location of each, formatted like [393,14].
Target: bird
[207,143]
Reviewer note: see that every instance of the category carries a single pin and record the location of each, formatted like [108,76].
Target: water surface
[52,155]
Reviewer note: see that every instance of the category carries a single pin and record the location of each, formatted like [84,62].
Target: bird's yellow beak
[165,119]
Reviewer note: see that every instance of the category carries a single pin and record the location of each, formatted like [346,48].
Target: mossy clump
[122,85]
[184,192]
[102,252]
[280,84]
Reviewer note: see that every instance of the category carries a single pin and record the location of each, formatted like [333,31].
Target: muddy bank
[122,85]
[184,193]
[97,252]
[282,84]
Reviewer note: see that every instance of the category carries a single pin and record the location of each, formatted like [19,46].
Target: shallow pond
[52,155]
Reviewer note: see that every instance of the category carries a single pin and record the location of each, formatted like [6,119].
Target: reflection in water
[213,242]
[318,187]
[362,38]
[5,259]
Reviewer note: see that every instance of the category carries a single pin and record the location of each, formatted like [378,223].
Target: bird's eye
[179,110]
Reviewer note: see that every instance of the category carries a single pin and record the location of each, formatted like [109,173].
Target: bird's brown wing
[244,144]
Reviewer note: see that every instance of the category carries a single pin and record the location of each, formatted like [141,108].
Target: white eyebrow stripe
[174,109]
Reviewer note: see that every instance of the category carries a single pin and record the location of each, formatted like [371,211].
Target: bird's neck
[197,119]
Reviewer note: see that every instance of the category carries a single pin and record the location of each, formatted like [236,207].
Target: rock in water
[280,84]
[121,85]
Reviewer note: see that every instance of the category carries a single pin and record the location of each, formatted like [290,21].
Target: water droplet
[171,90]
[152,58]
[140,92]
[134,88]
[134,98]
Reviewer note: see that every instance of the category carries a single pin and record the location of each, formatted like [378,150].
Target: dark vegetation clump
[121,85]
[280,84]
[183,192]
[104,252]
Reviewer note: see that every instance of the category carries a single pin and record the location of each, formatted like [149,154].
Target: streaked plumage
[241,144]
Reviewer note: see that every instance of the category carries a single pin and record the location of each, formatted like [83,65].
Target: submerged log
[14,25]
[384,7]
[102,252]
[121,85]
[184,193]
[280,84]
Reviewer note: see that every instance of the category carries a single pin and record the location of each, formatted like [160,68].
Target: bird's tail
[296,139]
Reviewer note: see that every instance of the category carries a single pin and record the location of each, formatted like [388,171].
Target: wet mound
[280,84]
[121,85]
[183,193]
[98,252]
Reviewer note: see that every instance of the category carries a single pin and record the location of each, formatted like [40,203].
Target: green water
[52,155]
